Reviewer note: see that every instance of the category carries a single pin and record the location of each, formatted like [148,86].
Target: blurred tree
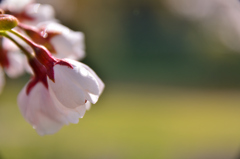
[141,41]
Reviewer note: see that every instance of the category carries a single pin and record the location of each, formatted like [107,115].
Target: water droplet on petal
[44,34]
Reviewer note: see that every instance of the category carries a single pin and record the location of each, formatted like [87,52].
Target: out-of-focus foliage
[132,122]
[144,41]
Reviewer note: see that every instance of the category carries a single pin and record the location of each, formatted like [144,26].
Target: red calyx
[43,69]
[64,63]
[46,59]
[40,74]
[4,61]
[40,36]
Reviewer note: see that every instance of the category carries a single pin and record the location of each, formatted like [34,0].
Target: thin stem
[25,51]
[24,38]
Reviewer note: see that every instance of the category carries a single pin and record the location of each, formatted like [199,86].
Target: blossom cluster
[61,88]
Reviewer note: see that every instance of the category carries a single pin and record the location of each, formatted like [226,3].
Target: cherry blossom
[68,43]
[16,65]
[61,41]
[29,12]
[49,105]
[80,84]
[44,113]
[60,89]
[11,61]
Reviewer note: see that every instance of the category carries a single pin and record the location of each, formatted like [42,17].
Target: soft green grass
[131,121]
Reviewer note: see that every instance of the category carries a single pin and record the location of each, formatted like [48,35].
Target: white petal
[9,45]
[54,27]
[92,98]
[40,110]
[15,5]
[16,64]
[71,85]
[68,44]
[81,110]
[66,91]
[82,77]
[72,115]
[88,105]
[40,13]
[100,82]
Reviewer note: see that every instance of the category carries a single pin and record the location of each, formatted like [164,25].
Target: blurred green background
[172,89]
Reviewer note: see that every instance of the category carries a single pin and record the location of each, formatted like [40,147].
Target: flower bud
[7,22]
